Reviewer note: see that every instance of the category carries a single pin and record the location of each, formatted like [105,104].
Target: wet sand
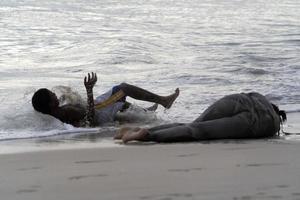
[246,169]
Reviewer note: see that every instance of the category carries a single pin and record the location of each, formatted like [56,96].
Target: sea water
[207,48]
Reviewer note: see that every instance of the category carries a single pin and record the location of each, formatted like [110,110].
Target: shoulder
[71,114]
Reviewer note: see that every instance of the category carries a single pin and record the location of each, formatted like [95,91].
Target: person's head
[44,101]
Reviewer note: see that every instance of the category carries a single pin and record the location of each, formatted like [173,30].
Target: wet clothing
[108,113]
[236,116]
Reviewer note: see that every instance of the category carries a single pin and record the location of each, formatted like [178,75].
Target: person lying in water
[101,110]
[236,116]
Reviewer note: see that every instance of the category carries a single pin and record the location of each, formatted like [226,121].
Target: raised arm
[89,83]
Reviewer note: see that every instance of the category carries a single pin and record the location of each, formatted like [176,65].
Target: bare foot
[122,132]
[170,99]
[135,135]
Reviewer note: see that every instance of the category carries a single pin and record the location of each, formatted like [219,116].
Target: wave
[256,71]
[199,79]
[33,125]
[293,110]
[126,59]
[250,70]
[220,44]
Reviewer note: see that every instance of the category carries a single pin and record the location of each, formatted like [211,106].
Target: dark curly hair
[281,113]
[40,101]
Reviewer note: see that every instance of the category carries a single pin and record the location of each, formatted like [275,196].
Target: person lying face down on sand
[101,110]
[236,116]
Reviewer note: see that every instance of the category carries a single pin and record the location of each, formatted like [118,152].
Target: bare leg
[144,95]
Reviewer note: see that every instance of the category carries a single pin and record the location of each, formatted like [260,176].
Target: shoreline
[38,145]
[27,146]
[100,137]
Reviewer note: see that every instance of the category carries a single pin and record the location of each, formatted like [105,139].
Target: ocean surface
[207,48]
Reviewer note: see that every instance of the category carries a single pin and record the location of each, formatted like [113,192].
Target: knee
[197,131]
[123,85]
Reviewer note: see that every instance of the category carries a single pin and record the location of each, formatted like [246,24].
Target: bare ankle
[171,99]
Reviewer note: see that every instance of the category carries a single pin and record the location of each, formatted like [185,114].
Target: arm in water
[89,83]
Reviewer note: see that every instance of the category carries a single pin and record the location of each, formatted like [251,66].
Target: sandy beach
[246,169]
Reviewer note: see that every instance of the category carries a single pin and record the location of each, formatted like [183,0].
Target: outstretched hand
[90,80]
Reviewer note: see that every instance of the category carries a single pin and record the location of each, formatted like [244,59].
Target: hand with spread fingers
[90,80]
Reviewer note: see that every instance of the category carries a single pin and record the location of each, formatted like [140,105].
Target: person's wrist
[89,89]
